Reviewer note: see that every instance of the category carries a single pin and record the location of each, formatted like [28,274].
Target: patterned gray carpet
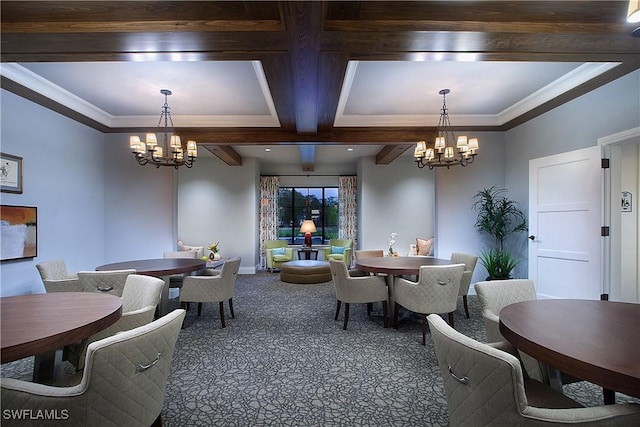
[284,361]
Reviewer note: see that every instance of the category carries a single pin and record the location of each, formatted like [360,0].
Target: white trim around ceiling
[572,79]
[33,81]
[44,87]
[569,81]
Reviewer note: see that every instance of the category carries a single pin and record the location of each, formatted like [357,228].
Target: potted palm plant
[498,217]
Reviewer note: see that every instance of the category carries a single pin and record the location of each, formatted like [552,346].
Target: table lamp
[307,228]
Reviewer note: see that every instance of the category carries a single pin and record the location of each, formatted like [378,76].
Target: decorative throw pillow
[278,251]
[423,246]
[180,245]
[337,249]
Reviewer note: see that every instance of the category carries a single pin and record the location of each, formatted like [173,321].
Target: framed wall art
[10,173]
[18,232]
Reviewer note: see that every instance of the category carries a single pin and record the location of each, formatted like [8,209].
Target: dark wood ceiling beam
[275,136]
[303,21]
[391,152]
[490,11]
[134,11]
[225,153]
[479,43]
[277,70]
[333,67]
[475,26]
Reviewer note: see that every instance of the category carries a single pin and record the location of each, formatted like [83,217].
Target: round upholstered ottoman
[305,271]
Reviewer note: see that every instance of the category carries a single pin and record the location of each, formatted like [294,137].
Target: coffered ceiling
[310,79]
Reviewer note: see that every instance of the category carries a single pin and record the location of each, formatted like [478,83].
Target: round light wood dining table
[397,266]
[42,324]
[161,268]
[593,340]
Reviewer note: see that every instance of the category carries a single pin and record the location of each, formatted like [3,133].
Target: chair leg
[346,315]
[385,313]
[233,316]
[396,308]
[369,308]
[424,329]
[451,320]
[222,314]
[466,307]
[337,310]
[199,309]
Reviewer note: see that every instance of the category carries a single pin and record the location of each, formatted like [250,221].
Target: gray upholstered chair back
[497,294]
[140,292]
[435,292]
[140,297]
[54,269]
[56,277]
[371,253]
[123,383]
[111,282]
[469,262]
[181,254]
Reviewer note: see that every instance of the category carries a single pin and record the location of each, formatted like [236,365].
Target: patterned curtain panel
[269,186]
[348,205]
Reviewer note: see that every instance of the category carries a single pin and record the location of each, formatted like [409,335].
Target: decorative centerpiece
[214,255]
[392,241]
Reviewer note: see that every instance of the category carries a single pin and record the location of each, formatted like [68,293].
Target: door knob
[532,237]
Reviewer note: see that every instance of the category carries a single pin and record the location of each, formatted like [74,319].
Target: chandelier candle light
[170,152]
[446,150]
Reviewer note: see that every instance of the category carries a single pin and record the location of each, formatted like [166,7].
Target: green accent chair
[339,250]
[278,253]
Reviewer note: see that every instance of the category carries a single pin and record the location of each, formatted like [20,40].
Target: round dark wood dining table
[40,324]
[161,268]
[590,339]
[397,266]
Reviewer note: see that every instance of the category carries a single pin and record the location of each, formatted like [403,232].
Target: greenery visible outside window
[295,204]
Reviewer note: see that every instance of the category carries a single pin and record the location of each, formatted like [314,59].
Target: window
[297,204]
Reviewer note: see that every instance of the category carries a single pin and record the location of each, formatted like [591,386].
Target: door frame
[608,144]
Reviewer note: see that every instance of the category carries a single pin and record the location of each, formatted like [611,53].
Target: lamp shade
[308,226]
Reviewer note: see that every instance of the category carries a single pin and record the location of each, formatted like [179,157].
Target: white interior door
[565,219]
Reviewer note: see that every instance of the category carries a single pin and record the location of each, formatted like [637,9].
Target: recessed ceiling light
[267,149]
[349,149]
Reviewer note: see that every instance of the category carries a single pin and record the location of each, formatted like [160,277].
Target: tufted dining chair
[140,297]
[109,282]
[218,288]
[56,277]
[469,262]
[494,296]
[123,383]
[176,280]
[370,253]
[485,386]
[436,291]
[357,290]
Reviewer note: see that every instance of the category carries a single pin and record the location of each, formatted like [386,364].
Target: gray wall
[64,179]
[219,203]
[395,198]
